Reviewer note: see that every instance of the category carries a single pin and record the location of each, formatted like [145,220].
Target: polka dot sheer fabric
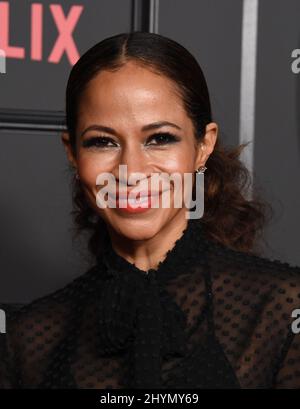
[207,317]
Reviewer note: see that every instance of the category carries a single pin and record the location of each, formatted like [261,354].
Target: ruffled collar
[189,250]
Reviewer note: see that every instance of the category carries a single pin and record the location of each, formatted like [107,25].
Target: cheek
[181,164]
[88,169]
[175,160]
[89,166]
[181,161]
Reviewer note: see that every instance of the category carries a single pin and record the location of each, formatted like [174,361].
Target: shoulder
[271,285]
[39,327]
[254,265]
[58,302]
[256,303]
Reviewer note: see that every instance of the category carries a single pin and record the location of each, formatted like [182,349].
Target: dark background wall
[244,48]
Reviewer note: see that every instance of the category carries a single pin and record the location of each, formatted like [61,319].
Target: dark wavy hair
[229,217]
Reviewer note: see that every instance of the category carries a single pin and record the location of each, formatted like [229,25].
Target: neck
[147,254]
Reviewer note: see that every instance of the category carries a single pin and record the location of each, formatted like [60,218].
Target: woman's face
[131,102]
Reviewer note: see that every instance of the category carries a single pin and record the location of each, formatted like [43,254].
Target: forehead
[132,92]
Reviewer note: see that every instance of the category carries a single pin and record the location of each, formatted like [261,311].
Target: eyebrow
[149,127]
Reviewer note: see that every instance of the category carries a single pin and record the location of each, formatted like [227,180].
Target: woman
[171,301]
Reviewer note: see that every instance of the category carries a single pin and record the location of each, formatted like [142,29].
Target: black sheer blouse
[207,317]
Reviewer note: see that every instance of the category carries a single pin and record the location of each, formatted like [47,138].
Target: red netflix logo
[65,25]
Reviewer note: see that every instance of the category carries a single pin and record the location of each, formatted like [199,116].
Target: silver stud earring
[77,176]
[202,169]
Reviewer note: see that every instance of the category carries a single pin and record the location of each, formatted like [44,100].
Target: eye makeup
[156,139]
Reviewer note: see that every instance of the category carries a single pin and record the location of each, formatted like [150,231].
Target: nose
[135,159]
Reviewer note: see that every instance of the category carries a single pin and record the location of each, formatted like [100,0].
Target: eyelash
[94,141]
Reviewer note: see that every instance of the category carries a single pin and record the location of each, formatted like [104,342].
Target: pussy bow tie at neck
[137,314]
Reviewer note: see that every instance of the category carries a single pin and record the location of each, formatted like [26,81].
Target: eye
[163,138]
[98,142]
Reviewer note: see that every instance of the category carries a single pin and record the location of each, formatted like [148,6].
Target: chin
[136,228]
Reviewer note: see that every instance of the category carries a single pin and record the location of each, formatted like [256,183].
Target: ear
[207,144]
[65,137]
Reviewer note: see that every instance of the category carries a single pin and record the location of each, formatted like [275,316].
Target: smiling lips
[139,202]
